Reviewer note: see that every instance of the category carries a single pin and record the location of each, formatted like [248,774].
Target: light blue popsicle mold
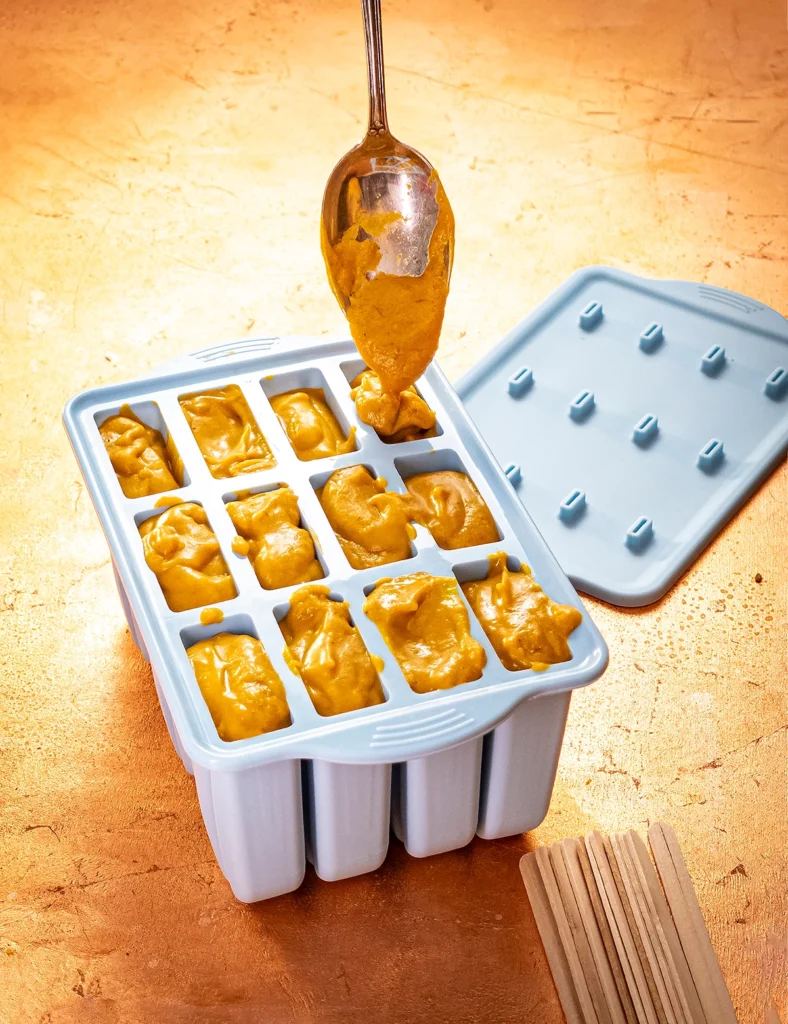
[689,391]
[440,766]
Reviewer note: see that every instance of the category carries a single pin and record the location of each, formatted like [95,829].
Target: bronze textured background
[161,170]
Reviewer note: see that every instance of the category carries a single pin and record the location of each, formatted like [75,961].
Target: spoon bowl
[385,215]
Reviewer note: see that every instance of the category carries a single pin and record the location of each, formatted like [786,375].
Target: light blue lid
[633,417]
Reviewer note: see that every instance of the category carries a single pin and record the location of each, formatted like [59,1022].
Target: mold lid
[634,417]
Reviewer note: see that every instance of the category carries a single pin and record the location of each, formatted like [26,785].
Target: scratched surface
[161,169]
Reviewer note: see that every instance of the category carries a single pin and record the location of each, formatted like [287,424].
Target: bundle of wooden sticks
[621,950]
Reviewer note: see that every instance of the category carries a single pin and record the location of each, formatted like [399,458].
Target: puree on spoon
[525,627]
[239,684]
[425,625]
[395,320]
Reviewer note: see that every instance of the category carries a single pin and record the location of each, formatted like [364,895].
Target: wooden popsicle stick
[619,926]
[633,929]
[582,944]
[569,850]
[648,938]
[653,928]
[606,934]
[772,1016]
[556,905]
[691,927]
[551,940]
[666,930]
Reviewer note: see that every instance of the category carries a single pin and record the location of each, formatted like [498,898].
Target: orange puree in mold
[395,415]
[311,426]
[226,432]
[183,552]
[239,684]
[395,321]
[425,625]
[525,627]
[143,461]
[370,522]
[326,650]
[448,504]
[240,546]
[280,550]
[211,616]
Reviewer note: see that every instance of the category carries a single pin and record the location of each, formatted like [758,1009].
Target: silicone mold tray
[633,417]
[480,757]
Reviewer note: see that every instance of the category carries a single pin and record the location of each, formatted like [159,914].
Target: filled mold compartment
[413,420]
[445,500]
[182,551]
[273,535]
[226,432]
[309,414]
[141,450]
[525,627]
[366,515]
[326,786]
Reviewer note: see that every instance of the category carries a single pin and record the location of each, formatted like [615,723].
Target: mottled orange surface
[162,171]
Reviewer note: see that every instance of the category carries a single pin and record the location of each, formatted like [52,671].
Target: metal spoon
[382,176]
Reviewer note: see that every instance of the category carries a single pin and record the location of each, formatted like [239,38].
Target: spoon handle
[373,38]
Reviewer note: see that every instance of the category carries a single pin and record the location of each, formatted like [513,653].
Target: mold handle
[423,729]
[235,351]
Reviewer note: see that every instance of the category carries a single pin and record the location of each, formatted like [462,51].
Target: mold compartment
[233,496]
[308,379]
[319,480]
[414,686]
[239,624]
[150,414]
[445,460]
[478,570]
[281,611]
[146,515]
[221,450]
[351,369]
